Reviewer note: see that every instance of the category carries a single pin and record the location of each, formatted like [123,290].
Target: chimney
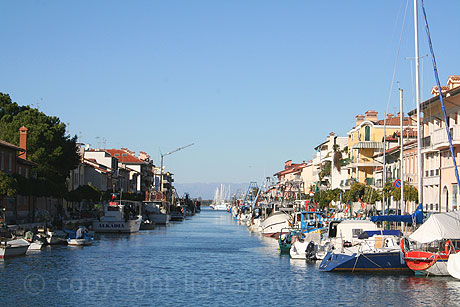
[389,115]
[288,163]
[359,119]
[371,115]
[23,141]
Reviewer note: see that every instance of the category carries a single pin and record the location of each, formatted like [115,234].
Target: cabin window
[367,133]
[356,232]
[124,155]
[20,170]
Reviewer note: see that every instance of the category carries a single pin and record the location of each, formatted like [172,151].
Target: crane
[167,154]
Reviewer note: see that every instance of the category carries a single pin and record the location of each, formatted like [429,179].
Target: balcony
[439,139]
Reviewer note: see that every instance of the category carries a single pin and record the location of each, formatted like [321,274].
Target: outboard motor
[310,251]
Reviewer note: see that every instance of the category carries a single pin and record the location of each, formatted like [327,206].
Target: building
[13,160]
[440,187]
[365,140]
[290,181]
[327,175]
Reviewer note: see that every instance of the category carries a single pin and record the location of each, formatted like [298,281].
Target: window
[356,232]
[431,206]
[10,162]
[367,133]
[117,155]
[454,194]
[20,170]
[27,172]
[124,155]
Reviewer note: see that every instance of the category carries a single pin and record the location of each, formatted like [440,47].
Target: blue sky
[251,83]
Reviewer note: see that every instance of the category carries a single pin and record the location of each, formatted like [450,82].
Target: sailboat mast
[417,102]
[401,120]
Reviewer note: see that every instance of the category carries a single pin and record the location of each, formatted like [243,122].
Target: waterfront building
[365,140]
[13,160]
[327,174]
[290,181]
[440,189]
[141,168]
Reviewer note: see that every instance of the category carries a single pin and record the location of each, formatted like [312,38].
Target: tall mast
[417,102]
[401,120]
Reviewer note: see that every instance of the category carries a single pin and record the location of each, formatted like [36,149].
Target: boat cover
[369,233]
[417,216]
[439,226]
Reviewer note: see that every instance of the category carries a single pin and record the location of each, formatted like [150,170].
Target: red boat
[427,262]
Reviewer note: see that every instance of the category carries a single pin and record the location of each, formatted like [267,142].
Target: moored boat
[276,224]
[377,253]
[13,248]
[156,211]
[427,250]
[121,217]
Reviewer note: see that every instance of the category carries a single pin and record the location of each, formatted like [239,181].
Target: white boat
[156,212]
[36,245]
[79,242]
[219,207]
[275,223]
[305,248]
[221,195]
[56,237]
[124,217]
[13,248]
[453,265]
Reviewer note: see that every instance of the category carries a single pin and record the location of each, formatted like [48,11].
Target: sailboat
[220,198]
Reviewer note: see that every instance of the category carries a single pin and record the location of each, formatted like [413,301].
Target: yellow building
[366,139]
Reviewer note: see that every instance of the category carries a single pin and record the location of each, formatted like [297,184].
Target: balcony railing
[439,136]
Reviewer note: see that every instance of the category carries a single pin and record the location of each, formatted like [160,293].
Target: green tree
[410,193]
[48,145]
[8,186]
[357,191]
[371,195]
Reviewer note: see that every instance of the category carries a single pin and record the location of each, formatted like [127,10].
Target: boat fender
[448,247]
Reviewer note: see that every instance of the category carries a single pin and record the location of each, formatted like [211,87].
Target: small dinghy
[79,242]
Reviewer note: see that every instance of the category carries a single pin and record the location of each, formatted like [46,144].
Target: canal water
[207,260]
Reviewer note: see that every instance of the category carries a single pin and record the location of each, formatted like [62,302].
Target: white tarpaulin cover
[439,226]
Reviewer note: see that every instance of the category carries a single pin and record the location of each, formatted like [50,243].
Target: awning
[368,144]
[416,217]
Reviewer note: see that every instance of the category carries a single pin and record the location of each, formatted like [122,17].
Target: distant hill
[206,190]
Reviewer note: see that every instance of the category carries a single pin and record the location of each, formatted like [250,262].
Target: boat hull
[159,219]
[274,225]
[427,263]
[384,261]
[129,226]
[79,242]
[14,248]
[453,265]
